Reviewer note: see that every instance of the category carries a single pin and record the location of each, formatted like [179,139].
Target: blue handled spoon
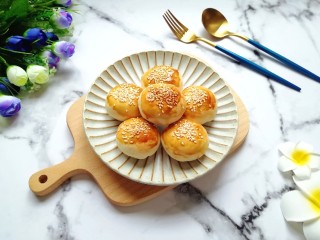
[217,25]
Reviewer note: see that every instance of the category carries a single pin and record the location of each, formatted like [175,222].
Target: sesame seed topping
[126,93]
[160,74]
[132,129]
[195,97]
[187,130]
[163,94]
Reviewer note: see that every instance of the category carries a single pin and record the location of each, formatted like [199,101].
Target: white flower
[17,75]
[304,205]
[38,74]
[299,158]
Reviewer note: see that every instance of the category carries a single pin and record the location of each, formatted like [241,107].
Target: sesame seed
[186,130]
[126,93]
[132,129]
[163,95]
[160,74]
[195,97]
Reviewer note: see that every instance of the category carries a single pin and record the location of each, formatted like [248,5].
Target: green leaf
[11,11]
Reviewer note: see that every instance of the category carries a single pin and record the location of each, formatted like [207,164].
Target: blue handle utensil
[285,60]
[258,68]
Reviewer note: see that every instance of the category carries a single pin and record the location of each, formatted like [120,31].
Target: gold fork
[187,36]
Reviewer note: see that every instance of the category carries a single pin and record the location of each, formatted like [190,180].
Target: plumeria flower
[17,75]
[37,36]
[7,88]
[61,19]
[63,49]
[298,157]
[304,206]
[51,58]
[38,74]
[18,43]
[9,105]
[65,3]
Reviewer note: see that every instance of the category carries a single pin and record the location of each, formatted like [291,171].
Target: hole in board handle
[43,178]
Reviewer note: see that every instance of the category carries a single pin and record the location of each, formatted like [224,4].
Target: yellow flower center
[300,157]
[315,200]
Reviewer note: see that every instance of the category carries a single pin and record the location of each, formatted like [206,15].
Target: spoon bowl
[217,25]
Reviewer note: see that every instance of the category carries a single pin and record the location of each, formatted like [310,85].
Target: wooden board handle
[48,179]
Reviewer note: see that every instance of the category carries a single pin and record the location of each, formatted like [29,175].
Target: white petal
[308,185]
[287,148]
[296,207]
[314,162]
[285,164]
[302,172]
[304,146]
[311,229]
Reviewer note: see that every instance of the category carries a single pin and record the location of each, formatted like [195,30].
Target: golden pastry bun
[161,104]
[185,140]
[201,104]
[162,74]
[137,138]
[122,101]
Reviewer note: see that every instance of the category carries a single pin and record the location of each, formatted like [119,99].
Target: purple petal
[36,35]
[52,37]
[18,43]
[63,49]
[63,19]
[9,106]
[51,59]
[65,3]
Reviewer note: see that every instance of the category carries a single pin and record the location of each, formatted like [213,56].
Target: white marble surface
[237,200]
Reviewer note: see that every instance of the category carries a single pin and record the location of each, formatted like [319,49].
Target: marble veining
[239,199]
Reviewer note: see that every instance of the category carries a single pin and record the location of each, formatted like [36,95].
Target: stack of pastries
[161,111]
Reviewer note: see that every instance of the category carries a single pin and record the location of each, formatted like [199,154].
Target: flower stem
[8,50]
[4,61]
[9,87]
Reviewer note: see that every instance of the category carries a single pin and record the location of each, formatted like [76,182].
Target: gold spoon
[217,25]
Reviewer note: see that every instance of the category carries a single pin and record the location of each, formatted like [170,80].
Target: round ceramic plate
[159,169]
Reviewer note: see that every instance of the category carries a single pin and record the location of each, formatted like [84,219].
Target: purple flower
[18,43]
[7,88]
[63,49]
[51,58]
[61,19]
[37,36]
[65,3]
[52,37]
[9,106]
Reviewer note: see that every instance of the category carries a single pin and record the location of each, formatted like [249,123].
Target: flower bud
[50,58]
[52,37]
[18,43]
[17,75]
[65,3]
[63,49]
[37,36]
[7,88]
[38,74]
[9,106]
[61,19]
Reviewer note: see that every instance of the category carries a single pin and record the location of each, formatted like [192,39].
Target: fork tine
[173,26]
[177,21]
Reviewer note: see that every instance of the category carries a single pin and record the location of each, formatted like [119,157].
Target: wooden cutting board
[119,190]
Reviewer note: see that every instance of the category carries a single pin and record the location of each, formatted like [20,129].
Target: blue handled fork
[217,25]
[187,36]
